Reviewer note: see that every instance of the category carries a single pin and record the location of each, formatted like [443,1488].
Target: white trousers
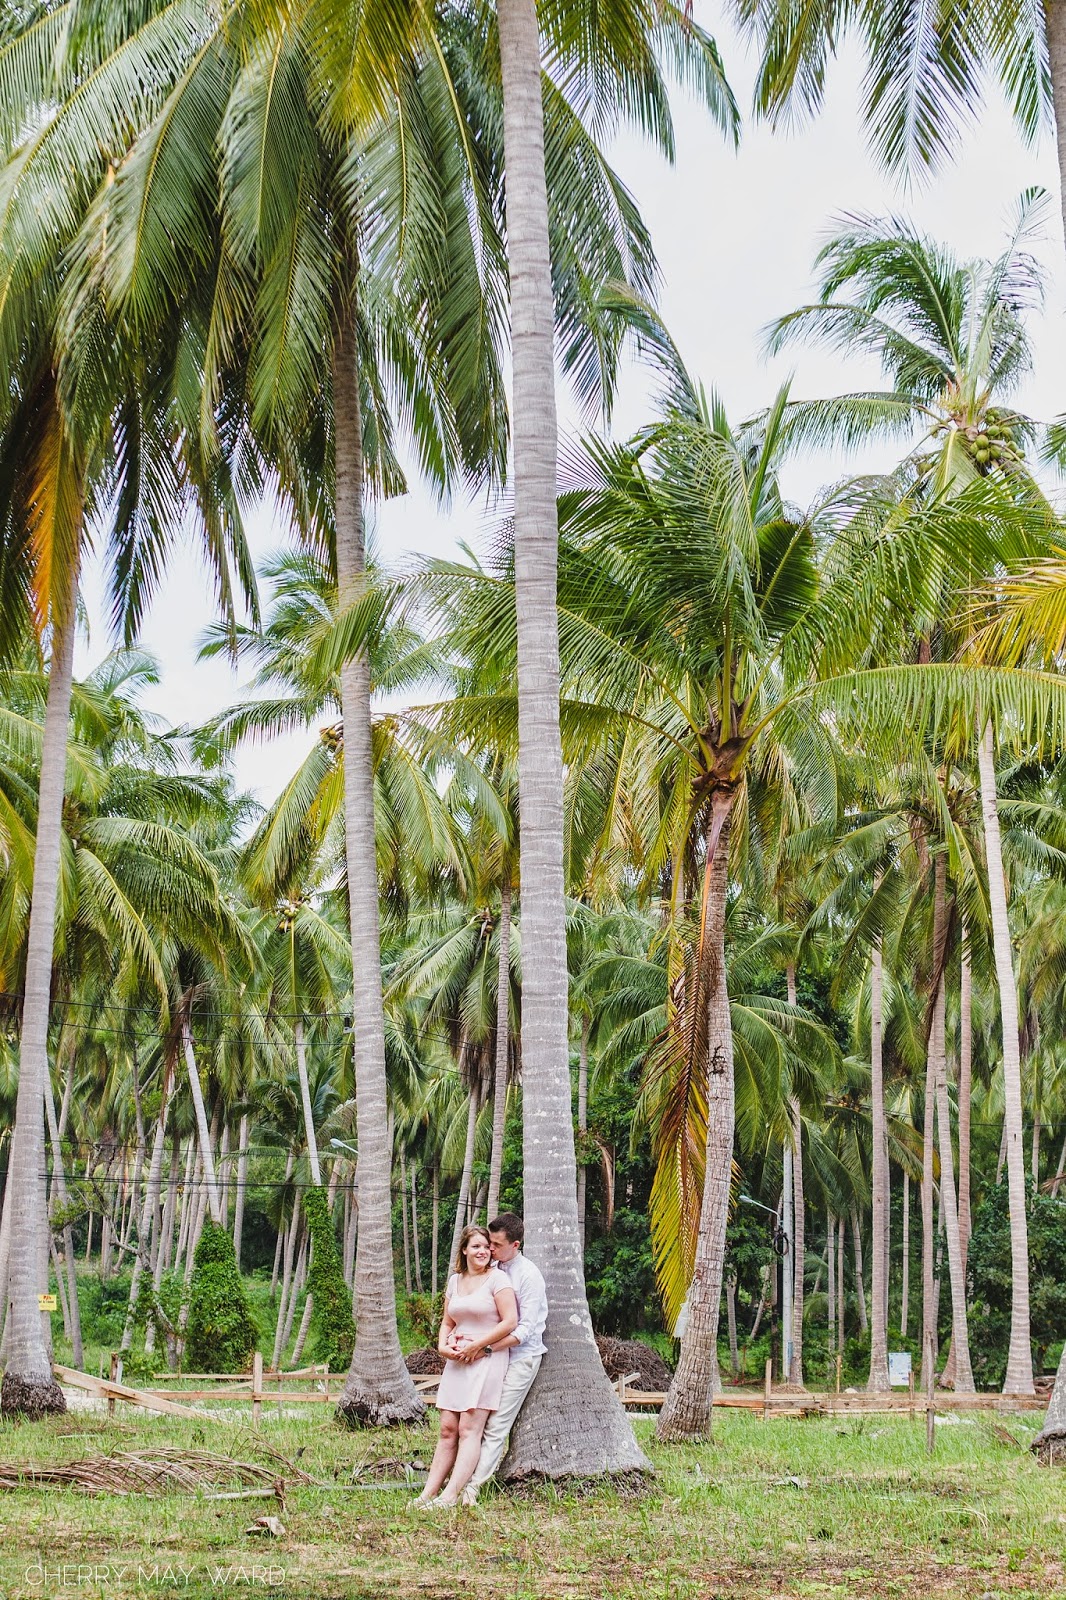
[521,1371]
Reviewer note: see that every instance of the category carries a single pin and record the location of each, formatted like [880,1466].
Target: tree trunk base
[380,1405]
[1049,1447]
[32,1398]
[559,1434]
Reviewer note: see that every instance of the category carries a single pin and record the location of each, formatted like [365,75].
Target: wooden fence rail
[769,1402]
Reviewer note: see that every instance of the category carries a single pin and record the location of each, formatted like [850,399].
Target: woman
[479,1310]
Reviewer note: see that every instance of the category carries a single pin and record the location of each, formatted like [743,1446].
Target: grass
[785,1509]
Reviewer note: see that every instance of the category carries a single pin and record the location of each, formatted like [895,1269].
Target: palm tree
[951,339]
[926,69]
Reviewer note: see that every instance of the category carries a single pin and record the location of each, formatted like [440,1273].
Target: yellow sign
[46,1302]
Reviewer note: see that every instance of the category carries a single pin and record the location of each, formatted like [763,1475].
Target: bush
[424,1313]
[620,1277]
[331,1313]
[990,1276]
[221,1335]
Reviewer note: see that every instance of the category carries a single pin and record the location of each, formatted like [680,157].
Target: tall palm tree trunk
[799,1243]
[406,1229]
[242,1180]
[686,1412]
[905,1273]
[878,1382]
[434,1244]
[379,1389]
[28,1387]
[59,1178]
[929,1321]
[831,1282]
[142,1257]
[965,1095]
[573,1422]
[1055,25]
[503,1048]
[305,1101]
[1019,1376]
[960,1336]
[416,1248]
[462,1206]
[582,1118]
[207,1154]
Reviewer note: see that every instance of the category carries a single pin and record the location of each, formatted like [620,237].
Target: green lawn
[784,1508]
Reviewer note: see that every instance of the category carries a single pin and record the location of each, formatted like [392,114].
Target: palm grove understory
[717,843]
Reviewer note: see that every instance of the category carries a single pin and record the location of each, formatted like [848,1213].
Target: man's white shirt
[532,1298]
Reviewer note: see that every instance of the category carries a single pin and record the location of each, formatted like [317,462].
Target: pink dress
[474,1385]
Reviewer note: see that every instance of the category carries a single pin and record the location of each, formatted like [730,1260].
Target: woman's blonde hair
[465,1237]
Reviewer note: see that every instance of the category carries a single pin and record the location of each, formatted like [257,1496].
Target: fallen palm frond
[157,1471]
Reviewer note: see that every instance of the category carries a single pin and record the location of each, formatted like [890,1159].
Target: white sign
[899,1368]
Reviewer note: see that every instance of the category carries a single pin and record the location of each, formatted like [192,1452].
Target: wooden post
[930,1404]
[910,1391]
[257,1387]
[768,1377]
[114,1379]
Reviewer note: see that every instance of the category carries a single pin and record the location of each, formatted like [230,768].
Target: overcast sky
[736,236]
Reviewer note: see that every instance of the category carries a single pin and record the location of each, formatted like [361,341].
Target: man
[526,1344]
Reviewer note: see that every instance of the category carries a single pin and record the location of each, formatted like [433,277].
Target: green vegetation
[221,1334]
[782,1508]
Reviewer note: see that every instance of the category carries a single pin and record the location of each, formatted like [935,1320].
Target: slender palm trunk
[416,1248]
[831,1285]
[463,1203]
[72,1316]
[960,1337]
[731,1324]
[434,1248]
[840,1283]
[242,1182]
[965,1095]
[207,1154]
[1019,1378]
[1059,1170]
[905,1274]
[1055,27]
[406,1225]
[379,1389]
[305,1101]
[928,1231]
[573,1422]
[860,1283]
[28,1387]
[503,1047]
[142,1257]
[877,1382]
[280,1335]
[686,1412]
[582,1118]
[799,1243]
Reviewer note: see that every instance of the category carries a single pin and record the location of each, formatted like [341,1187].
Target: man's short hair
[511,1225]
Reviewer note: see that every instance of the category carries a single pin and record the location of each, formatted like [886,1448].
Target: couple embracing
[495,1309]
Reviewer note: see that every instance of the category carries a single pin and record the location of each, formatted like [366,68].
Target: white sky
[736,237]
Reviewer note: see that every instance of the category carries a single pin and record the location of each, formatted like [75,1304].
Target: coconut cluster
[989,442]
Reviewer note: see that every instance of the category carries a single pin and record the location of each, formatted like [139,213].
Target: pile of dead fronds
[156,1471]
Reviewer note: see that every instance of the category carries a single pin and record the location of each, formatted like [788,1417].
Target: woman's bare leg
[444,1455]
[471,1427]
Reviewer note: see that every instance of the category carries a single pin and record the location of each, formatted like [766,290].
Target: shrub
[424,1313]
[331,1313]
[989,1266]
[221,1335]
